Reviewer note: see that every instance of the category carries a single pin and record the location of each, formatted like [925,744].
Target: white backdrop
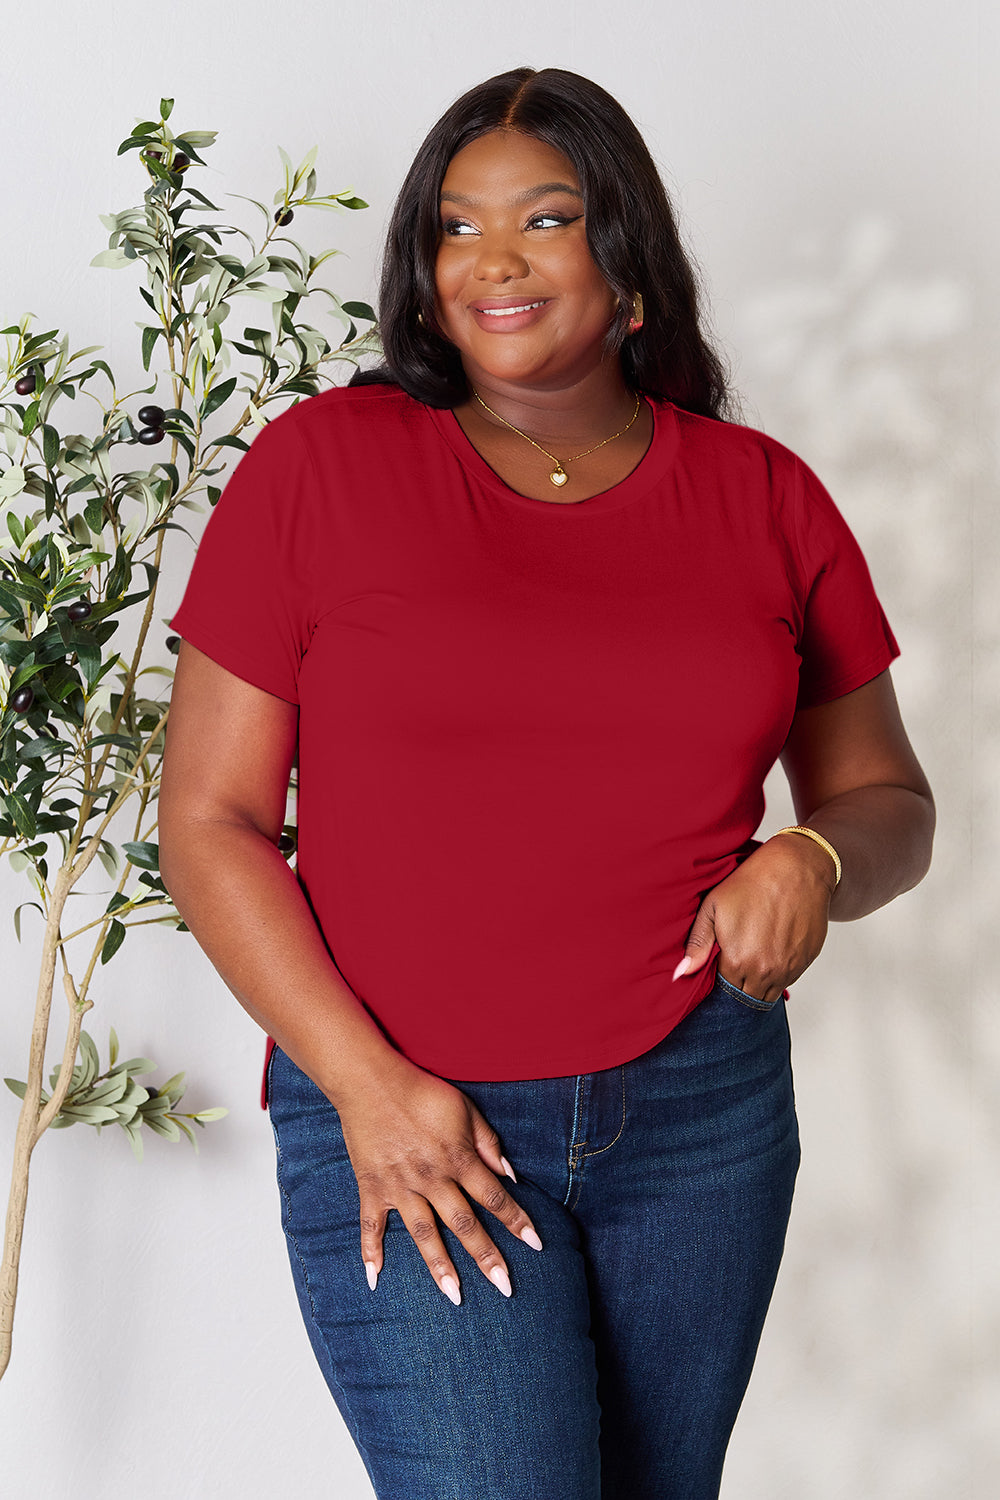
[836,169]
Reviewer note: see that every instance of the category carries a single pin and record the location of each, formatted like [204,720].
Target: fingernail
[371,1273]
[508,1168]
[529,1237]
[500,1279]
[449,1286]
[683,966]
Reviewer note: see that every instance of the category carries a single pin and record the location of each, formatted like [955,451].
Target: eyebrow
[519,199]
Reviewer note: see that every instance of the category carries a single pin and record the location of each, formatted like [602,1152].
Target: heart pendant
[559,477]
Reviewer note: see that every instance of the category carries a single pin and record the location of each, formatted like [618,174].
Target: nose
[498,260]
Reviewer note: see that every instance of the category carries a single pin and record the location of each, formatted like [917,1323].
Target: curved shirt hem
[570,1064]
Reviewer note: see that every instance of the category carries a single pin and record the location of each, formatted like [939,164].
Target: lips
[508,314]
[511,311]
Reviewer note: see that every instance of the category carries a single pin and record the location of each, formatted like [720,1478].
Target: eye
[549,221]
[457,227]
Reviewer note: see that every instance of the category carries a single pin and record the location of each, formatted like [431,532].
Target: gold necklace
[559,475]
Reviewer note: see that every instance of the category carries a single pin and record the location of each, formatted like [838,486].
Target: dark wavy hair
[631,231]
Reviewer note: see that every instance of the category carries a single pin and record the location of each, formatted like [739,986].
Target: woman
[537,622]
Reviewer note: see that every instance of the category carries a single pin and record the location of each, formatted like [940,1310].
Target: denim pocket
[750,1001]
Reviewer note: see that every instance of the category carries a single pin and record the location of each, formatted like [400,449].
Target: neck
[566,414]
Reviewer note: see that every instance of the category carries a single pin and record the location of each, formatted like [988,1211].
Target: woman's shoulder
[726,442]
[352,413]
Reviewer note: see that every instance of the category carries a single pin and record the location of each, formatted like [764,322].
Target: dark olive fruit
[153,1093]
[80,610]
[22,700]
[286,843]
[26,384]
[284,216]
[180,162]
[150,416]
[173,644]
[147,435]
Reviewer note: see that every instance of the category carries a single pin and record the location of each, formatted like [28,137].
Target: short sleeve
[249,600]
[846,639]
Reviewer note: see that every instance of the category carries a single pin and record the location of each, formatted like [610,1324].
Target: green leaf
[14,1084]
[113,1046]
[139,1065]
[173,1089]
[113,259]
[89,1059]
[359,310]
[133,1129]
[204,1115]
[89,656]
[107,1090]
[264,292]
[145,855]
[166,105]
[113,941]
[89,1114]
[50,446]
[186,1128]
[217,396]
[30,419]
[162,1125]
[17,915]
[149,337]
[352,202]
[24,818]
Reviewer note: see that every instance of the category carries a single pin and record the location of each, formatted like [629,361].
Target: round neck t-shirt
[532,734]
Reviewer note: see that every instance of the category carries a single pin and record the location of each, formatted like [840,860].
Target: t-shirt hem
[461,1069]
[247,668]
[851,681]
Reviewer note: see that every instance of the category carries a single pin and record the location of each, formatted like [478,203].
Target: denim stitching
[290,1235]
[620,1128]
[573,1159]
[742,998]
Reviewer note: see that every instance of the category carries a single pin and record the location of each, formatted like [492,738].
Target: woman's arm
[416,1143]
[855,780]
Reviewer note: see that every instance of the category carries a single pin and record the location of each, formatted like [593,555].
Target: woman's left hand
[769,917]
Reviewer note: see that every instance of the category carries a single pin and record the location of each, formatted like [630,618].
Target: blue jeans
[661,1190]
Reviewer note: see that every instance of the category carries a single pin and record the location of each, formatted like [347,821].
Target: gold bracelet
[818,838]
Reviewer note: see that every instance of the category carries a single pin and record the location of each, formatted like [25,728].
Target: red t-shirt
[532,734]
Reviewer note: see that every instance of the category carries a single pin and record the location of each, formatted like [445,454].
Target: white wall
[837,167]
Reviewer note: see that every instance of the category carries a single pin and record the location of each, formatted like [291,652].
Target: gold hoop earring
[636,320]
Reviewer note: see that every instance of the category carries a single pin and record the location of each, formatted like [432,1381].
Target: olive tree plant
[84,522]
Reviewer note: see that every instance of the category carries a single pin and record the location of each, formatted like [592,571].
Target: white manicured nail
[529,1237]
[508,1168]
[371,1273]
[682,967]
[449,1286]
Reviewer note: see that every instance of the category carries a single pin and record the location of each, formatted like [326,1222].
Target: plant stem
[28,1119]
[77,1010]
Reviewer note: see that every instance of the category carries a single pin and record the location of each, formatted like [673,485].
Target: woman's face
[518,292]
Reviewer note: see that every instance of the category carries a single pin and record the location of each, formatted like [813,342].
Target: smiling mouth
[509,312]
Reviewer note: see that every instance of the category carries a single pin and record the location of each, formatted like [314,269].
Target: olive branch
[82,724]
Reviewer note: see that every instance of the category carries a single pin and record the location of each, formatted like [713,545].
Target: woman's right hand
[419,1145]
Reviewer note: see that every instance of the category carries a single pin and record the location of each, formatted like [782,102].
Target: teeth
[508,312]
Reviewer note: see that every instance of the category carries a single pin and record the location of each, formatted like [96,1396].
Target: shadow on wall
[873,372]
